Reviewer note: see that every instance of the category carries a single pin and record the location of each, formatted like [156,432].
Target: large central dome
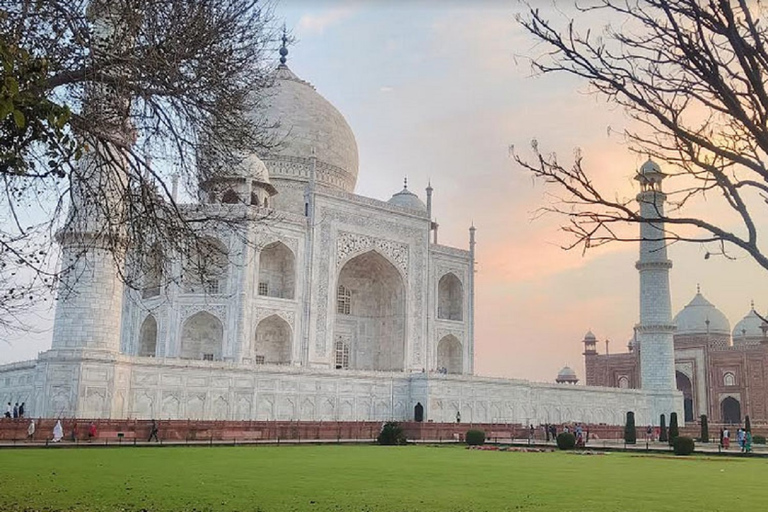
[308,126]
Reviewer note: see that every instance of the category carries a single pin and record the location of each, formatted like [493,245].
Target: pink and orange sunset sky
[440,91]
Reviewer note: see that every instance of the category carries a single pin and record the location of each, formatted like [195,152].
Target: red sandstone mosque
[722,373]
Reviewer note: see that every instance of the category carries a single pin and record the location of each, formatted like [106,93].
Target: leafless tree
[102,104]
[691,75]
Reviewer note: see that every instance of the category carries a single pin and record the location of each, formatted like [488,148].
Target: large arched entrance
[272,344]
[684,386]
[276,271]
[731,410]
[370,313]
[449,355]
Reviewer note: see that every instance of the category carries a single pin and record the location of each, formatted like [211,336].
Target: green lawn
[372,478]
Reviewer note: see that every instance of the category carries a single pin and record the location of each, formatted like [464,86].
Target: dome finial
[405,183]
[698,288]
[284,47]
[752,303]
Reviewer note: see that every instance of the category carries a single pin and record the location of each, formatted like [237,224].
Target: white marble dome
[747,330]
[701,317]
[650,167]
[567,375]
[407,199]
[308,127]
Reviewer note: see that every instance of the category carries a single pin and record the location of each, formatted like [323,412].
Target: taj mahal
[340,307]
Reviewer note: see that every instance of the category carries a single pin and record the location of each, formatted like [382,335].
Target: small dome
[590,336]
[650,167]
[567,375]
[747,330]
[701,317]
[407,199]
[250,168]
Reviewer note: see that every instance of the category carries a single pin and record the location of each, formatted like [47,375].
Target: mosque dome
[650,167]
[407,199]
[308,127]
[590,336]
[747,330]
[701,317]
[566,376]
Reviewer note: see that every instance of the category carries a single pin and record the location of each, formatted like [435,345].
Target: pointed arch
[277,271]
[205,267]
[202,337]
[450,355]
[375,325]
[272,341]
[148,337]
[230,197]
[450,298]
[730,409]
[684,385]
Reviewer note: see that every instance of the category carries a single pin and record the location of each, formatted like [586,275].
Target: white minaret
[90,298]
[655,330]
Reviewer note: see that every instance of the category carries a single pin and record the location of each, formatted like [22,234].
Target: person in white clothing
[58,432]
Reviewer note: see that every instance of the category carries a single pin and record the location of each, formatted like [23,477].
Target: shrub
[662,429]
[682,445]
[475,437]
[747,424]
[704,438]
[566,441]
[630,433]
[674,431]
[391,434]
[758,439]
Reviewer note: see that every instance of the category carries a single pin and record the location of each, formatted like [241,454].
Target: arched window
[266,202]
[148,337]
[729,379]
[202,337]
[230,197]
[254,199]
[205,267]
[342,355]
[343,300]
[276,271]
[624,382]
[450,298]
[272,344]
[153,272]
[450,355]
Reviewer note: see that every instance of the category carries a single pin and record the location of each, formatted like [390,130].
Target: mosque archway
[450,298]
[202,337]
[272,343]
[450,356]
[148,337]
[277,271]
[374,322]
[731,410]
[684,385]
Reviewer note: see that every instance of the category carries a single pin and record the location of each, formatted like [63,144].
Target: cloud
[315,24]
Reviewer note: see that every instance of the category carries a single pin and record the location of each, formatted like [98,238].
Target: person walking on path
[91,431]
[153,432]
[21,410]
[58,432]
[31,431]
[740,436]
[16,411]
[748,442]
[726,438]
[8,411]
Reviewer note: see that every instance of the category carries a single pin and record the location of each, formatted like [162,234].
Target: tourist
[748,442]
[8,411]
[726,438]
[21,410]
[649,433]
[73,433]
[721,437]
[458,416]
[546,431]
[740,437]
[16,411]
[58,432]
[31,430]
[153,432]
[91,431]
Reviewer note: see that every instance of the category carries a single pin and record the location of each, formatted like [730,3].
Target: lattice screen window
[263,289]
[259,359]
[729,379]
[207,357]
[343,300]
[342,355]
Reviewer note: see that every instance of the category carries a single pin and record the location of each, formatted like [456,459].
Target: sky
[439,91]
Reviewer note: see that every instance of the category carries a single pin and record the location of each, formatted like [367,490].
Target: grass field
[372,478]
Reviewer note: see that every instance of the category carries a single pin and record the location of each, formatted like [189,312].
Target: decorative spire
[405,183]
[698,288]
[284,47]
[752,304]
[429,186]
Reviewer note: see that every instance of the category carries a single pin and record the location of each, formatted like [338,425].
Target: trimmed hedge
[391,434]
[704,437]
[758,439]
[630,433]
[566,441]
[747,424]
[475,437]
[663,429]
[674,431]
[683,445]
